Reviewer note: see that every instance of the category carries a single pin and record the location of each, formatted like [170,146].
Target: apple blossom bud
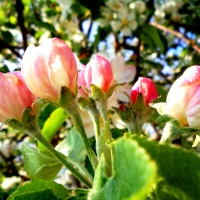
[146,87]
[81,82]
[14,96]
[48,67]
[99,72]
[183,99]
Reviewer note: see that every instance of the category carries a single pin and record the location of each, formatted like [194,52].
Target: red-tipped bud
[146,87]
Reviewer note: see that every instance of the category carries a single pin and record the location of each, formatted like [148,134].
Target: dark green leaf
[44,114]
[79,194]
[46,26]
[7,36]
[116,133]
[153,38]
[93,6]
[40,190]
[4,69]
[5,194]
[179,172]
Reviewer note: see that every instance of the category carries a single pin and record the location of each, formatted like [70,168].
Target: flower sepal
[140,109]
[125,114]
[40,104]
[134,115]
[110,91]
[139,106]
[86,104]
[66,97]
[28,122]
[173,130]
[96,92]
[15,124]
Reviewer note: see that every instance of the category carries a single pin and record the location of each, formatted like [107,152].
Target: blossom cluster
[170,9]
[124,16]
[52,72]
[51,66]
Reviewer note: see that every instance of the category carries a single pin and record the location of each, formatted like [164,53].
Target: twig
[177,34]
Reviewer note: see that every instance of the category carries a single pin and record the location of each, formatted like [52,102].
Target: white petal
[116,25]
[126,31]
[133,25]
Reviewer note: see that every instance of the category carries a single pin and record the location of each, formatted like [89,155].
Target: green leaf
[160,107]
[7,36]
[40,165]
[52,125]
[40,190]
[79,194]
[45,112]
[116,133]
[152,37]
[93,6]
[162,93]
[4,69]
[164,119]
[72,147]
[178,169]
[5,194]
[133,173]
[46,26]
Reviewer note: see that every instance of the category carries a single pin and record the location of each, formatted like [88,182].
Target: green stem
[94,114]
[130,127]
[35,132]
[102,105]
[72,110]
[134,124]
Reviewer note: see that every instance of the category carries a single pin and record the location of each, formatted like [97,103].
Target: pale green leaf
[52,125]
[133,173]
[40,165]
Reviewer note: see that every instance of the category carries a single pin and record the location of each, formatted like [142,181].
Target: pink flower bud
[146,87]
[14,96]
[183,99]
[48,67]
[99,72]
[81,82]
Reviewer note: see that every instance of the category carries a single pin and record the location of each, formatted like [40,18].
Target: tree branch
[13,49]
[177,34]
[20,18]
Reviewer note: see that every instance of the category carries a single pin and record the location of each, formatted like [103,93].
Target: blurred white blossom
[124,16]
[167,8]
[126,22]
